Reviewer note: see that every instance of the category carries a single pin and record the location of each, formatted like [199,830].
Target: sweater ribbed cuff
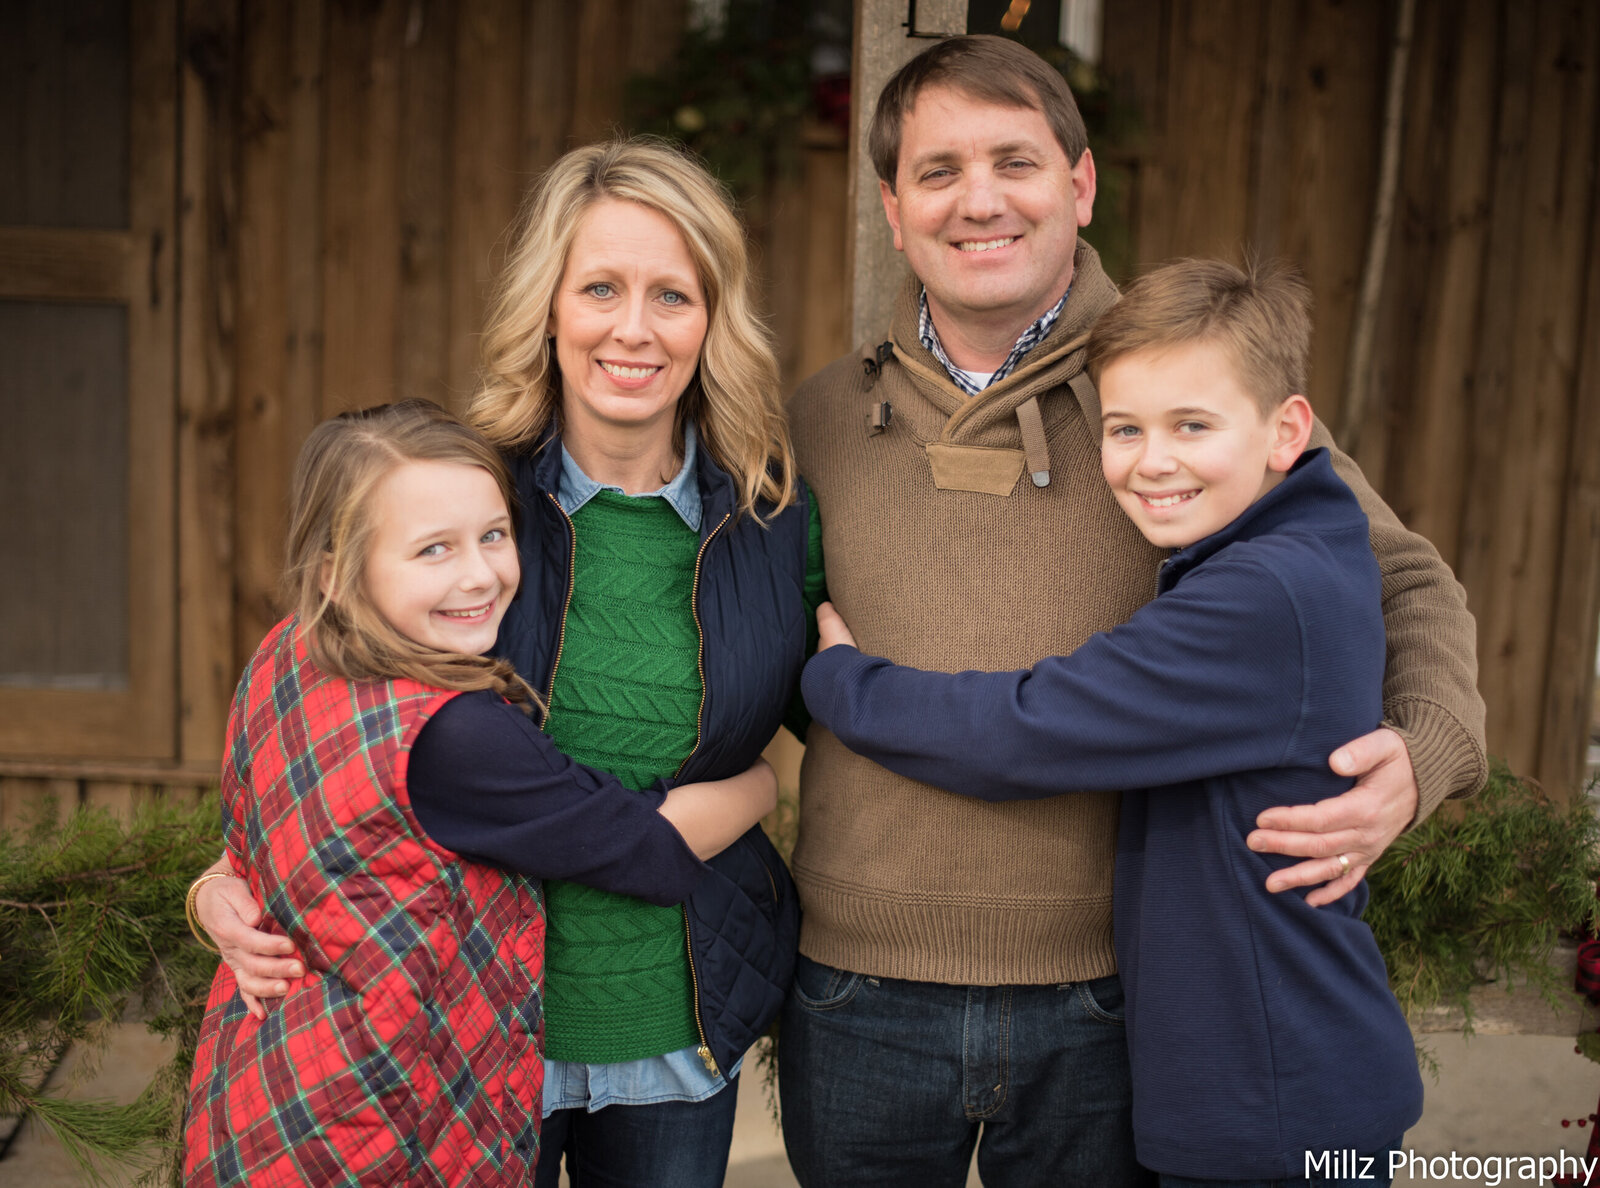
[1446,757]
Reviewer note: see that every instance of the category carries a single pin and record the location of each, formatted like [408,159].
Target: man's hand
[1358,825]
[831,629]
[261,961]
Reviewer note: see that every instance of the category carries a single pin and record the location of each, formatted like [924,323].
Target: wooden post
[883,44]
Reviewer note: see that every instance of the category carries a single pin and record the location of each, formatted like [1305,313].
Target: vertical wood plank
[25,800]
[825,331]
[653,29]
[1530,406]
[361,204]
[1569,695]
[116,797]
[1212,99]
[427,77]
[1281,34]
[152,385]
[1441,243]
[277,355]
[207,428]
[1555,225]
[261,349]
[597,83]
[484,182]
[549,55]
[778,257]
[1336,88]
[303,247]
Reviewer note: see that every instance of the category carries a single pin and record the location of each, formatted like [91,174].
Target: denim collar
[1030,338]
[576,488]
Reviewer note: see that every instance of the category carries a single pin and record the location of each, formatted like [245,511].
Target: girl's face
[629,320]
[443,563]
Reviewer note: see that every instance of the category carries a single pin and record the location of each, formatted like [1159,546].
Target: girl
[370,748]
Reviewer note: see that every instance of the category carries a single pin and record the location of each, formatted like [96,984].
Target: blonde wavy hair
[733,398]
[330,535]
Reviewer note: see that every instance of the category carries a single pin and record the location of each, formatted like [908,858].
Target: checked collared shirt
[1031,337]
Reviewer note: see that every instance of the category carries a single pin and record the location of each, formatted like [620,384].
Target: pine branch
[1484,896]
[91,925]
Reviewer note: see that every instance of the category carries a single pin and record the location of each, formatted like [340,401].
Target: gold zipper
[700,655]
[572,577]
[704,1050]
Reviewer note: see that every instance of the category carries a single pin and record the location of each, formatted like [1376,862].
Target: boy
[1265,1043]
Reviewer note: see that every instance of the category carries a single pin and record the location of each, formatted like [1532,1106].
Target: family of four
[1139,677]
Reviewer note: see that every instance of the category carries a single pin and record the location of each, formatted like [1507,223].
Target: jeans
[888,1082]
[673,1144]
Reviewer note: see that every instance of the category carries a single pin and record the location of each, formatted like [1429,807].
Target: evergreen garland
[1484,894]
[91,927]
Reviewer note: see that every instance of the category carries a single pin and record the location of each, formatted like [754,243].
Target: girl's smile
[443,565]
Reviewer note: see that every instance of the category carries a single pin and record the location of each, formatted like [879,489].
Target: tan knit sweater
[898,879]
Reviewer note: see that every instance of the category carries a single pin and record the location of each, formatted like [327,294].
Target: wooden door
[88,136]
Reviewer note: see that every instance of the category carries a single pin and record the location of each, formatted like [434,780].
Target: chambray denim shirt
[680,1075]
[576,488]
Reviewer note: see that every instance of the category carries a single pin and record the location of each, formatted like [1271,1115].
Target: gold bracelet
[189,907]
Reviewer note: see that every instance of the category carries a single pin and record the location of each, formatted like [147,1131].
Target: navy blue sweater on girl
[1259,1028]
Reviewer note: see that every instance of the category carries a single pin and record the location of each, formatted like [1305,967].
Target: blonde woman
[671,565]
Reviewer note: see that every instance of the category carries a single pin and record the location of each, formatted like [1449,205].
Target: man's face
[987,208]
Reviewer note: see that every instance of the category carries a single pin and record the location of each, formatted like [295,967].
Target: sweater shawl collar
[1056,359]
[1311,497]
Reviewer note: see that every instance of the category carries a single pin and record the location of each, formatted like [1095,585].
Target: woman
[671,566]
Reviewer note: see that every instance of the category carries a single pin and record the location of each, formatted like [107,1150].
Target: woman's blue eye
[494,535]
[673,297]
[432,550]
[600,289]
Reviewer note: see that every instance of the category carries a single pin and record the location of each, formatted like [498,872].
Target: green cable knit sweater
[626,699]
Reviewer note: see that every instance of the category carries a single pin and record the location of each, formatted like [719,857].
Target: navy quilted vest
[749,602]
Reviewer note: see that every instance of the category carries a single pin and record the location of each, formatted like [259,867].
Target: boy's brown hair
[993,69]
[1259,314]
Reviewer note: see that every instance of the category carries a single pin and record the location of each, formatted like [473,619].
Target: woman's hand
[831,628]
[713,815]
[263,962]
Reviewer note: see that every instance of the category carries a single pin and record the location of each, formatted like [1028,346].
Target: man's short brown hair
[984,67]
[1259,314]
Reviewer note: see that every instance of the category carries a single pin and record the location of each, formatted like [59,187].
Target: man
[956,982]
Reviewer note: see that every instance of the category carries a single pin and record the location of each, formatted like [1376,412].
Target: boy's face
[1185,448]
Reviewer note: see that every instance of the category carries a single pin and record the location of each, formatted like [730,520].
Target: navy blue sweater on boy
[1259,1028]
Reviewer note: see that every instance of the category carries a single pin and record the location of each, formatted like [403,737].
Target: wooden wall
[1482,417]
[348,171]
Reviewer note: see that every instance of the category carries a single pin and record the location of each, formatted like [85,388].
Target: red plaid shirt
[410,1053]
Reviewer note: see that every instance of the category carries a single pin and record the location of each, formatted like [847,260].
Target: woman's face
[629,319]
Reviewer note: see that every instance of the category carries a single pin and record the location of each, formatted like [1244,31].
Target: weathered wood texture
[1260,131]
[337,178]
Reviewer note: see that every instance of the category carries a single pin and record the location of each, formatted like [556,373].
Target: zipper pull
[704,1052]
